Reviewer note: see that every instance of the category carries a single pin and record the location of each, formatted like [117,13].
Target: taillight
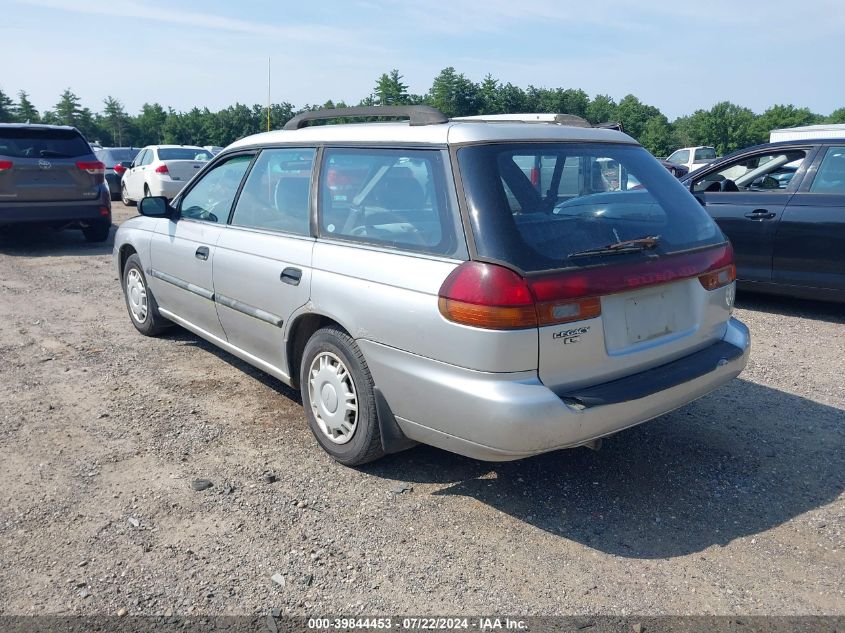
[487,296]
[162,169]
[493,297]
[5,164]
[721,272]
[93,167]
[119,169]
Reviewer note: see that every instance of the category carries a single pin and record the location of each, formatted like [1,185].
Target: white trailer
[824,130]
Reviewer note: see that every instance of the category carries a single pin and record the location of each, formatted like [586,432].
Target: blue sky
[678,55]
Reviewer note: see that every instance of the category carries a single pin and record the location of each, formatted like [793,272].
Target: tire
[97,232]
[124,196]
[350,437]
[147,192]
[142,306]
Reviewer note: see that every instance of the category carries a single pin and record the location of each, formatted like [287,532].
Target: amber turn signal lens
[718,278]
[488,317]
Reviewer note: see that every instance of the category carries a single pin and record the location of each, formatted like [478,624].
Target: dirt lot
[732,505]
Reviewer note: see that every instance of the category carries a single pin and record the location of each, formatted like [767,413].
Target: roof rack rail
[610,125]
[531,117]
[418,115]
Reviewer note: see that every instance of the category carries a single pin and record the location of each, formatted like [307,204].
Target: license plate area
[649,316]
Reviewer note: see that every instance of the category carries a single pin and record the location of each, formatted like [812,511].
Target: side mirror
[155,207]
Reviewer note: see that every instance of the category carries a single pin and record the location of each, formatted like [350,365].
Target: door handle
[760,214]
[291,276]
[202,253]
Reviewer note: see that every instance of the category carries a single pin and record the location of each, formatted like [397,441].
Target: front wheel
[142,306]
[337,393]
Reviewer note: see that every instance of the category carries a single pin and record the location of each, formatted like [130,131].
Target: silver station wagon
[495,287]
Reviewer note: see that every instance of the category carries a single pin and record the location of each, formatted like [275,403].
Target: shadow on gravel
[189,339]
[34,241]
[787,306]
[733,464]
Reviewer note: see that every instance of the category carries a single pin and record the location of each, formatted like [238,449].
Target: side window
[704,155]
[681,157]
[276,193]
[139,158]
[830,178]
[210,199]
[149,157]
[760,172]
[391,197]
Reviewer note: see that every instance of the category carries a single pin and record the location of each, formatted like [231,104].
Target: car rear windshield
[540,206]
[121,154]
[183,153]
[705,154]
[42,143]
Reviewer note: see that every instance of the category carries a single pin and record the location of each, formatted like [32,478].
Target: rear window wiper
[53,154]
[623,246]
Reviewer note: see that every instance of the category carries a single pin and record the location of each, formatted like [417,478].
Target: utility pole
[268,94]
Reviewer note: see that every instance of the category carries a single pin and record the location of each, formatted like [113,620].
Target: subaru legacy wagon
[497,288]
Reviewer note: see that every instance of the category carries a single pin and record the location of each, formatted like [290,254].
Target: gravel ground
[731,505]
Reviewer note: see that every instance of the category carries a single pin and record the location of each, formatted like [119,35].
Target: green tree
[601,109]
[488,96]
[782,116]
[7,113]
[150,124]
[453,94]
[390,90]
[656,136]
[25,110]
[115,119]
[68,110]
[837,116]
[633,114]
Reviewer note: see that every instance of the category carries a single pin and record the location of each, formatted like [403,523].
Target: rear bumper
[167,188]
[83,212]
[501,417]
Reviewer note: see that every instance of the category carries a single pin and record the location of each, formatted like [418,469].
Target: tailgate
[637,330]
[183,170]
[46,180]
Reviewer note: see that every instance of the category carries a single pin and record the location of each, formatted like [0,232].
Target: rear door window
[42,143]
[582,197]
[830,178]
[277,192]
[390,197]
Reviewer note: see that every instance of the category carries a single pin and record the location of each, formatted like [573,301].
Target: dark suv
[49,175]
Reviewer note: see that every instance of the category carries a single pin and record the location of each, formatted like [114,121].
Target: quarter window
[389,197]
[210,200]
[830,177]
[276,193]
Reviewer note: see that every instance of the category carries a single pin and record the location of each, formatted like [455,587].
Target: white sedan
[161,170]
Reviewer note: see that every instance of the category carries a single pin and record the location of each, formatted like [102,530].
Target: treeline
[726,126]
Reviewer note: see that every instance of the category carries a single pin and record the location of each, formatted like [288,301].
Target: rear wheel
[142,306]
[124,196]
[147,193]
[98,231]
[337,393]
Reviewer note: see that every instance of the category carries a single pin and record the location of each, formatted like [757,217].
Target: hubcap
[334,400]
[136,295]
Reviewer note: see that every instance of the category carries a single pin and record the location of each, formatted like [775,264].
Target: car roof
[37,126]
[174,147]
[449,133]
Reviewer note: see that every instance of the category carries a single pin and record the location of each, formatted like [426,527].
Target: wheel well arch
[301,330]
[125,252]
